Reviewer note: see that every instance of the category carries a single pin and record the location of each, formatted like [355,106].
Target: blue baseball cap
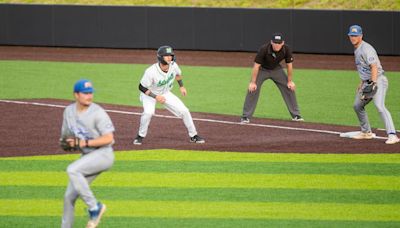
[83,86]
[355,30]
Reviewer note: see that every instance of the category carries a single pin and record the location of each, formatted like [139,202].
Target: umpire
[267,66]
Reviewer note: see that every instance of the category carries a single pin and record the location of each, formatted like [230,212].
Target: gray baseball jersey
[365,55]
[88,125]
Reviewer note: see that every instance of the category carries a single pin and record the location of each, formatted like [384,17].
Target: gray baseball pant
[279,77]
[81,173]
[379,101]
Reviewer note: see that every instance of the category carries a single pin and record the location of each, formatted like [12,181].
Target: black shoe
[298,118]
[138,140]
[244,120]
[197,139]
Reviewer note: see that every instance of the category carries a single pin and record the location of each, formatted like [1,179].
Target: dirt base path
[32,129]
[29,129]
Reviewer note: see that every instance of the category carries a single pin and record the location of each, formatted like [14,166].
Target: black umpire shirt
[270,60]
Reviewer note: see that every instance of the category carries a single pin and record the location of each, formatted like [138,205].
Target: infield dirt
[34,130]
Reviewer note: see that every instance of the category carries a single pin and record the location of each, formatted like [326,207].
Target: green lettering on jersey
[166,81]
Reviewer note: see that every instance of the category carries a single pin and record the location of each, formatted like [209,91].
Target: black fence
[217,29]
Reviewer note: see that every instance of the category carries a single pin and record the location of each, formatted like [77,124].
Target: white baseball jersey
[159,82]
[365,55]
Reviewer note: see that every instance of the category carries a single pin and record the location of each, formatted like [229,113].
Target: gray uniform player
[370,69]
[155,86]
[89,122]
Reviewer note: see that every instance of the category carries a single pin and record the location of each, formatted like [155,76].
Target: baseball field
[271,173]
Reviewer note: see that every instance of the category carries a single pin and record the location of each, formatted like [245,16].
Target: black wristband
[180,82]
[142,88]
[151,94]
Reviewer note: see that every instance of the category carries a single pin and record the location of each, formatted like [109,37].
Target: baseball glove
[70,144]
[368,90]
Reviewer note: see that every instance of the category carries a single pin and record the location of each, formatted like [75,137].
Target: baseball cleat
[95,216]
[297,118]
[138,140]
[392,139]
[364,135]
[244,120]
[197,139]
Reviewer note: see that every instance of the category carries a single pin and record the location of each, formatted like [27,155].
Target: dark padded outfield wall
[216,29]
[396,23]
[315,30]
[28,25]
[77,26]
[259,25]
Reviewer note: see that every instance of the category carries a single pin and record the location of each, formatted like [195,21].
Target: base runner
[155,86]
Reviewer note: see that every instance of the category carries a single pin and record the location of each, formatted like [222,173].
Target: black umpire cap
[277,38]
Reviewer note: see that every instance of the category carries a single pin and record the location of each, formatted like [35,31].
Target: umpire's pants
[280,79]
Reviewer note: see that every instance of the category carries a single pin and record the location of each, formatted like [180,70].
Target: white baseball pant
[172,104]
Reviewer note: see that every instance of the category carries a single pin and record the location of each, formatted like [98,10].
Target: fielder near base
[370,71]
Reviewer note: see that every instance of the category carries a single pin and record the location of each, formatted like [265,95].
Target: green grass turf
[185,155]
[216,167]
[324,96]
[211,209]
[212,194]
[211,180]
[170,188]
[43,221]
[194,189]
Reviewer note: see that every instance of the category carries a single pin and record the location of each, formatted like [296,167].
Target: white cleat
[392,139]
[298,119]
[244,120]
[364,135]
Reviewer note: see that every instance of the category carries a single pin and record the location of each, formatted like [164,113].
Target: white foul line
[197,119]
